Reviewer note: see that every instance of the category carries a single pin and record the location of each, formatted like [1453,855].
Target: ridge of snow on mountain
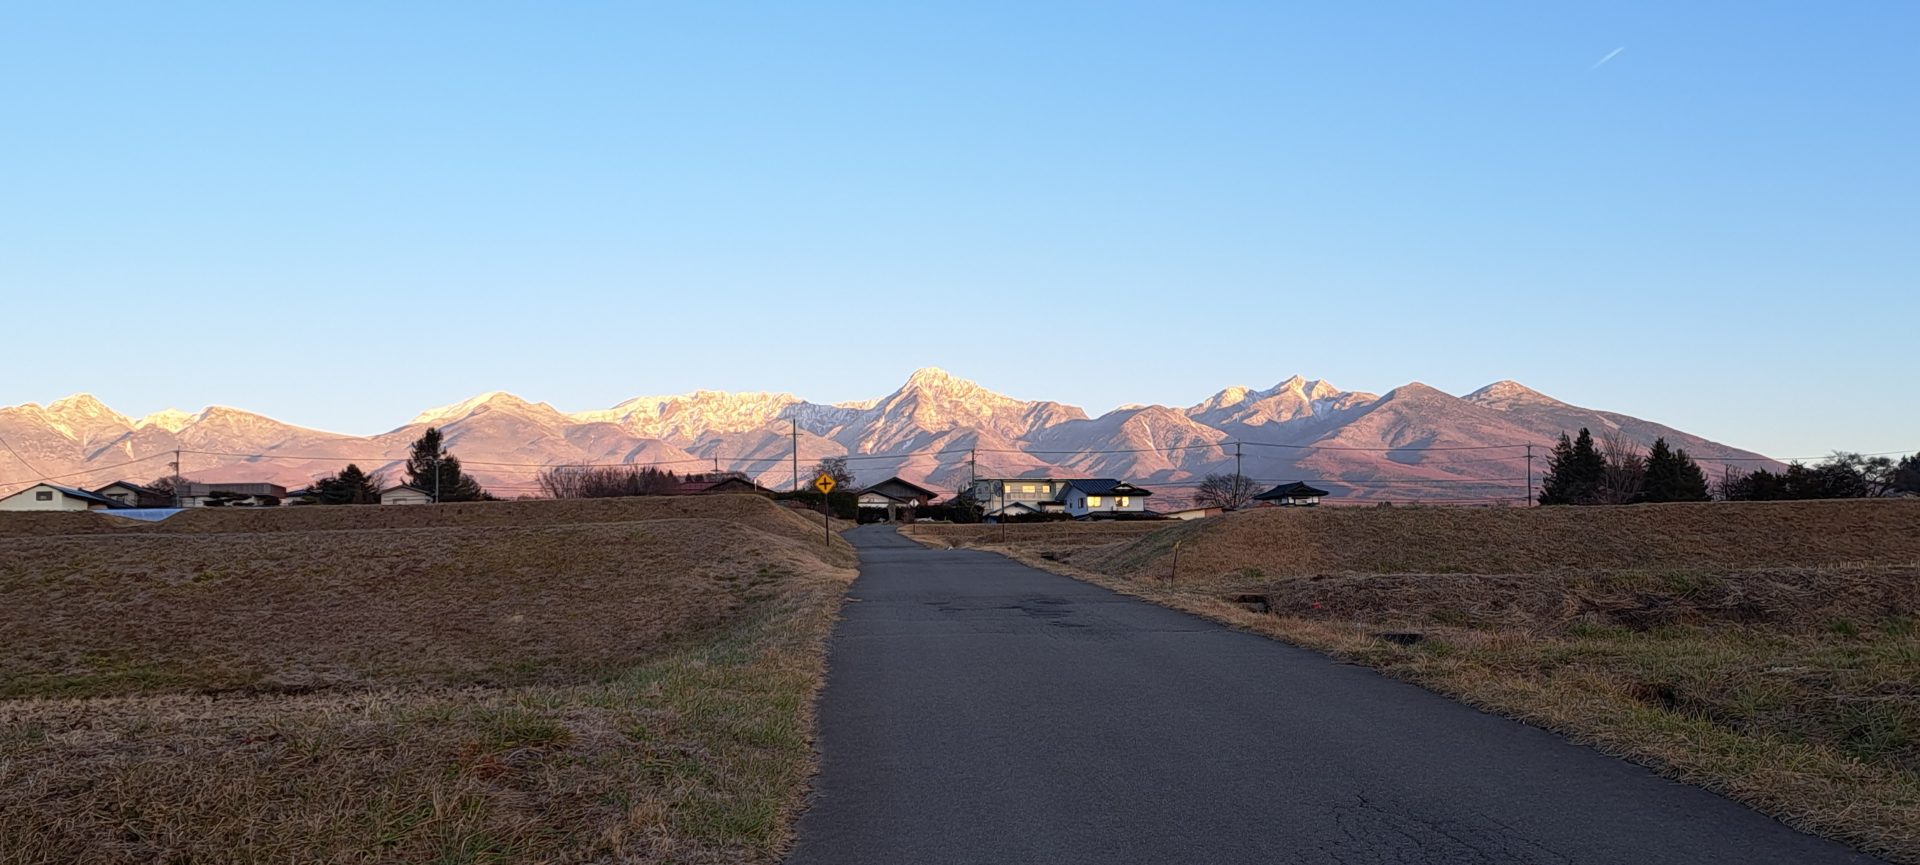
[1395,446]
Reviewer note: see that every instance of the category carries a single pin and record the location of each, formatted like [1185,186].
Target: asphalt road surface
[980,711]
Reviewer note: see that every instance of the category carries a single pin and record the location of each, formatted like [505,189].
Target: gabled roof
[1106,487]
[138,488]
[72,493]
[398,487]
[1295,490]
[896,481]
[687,488]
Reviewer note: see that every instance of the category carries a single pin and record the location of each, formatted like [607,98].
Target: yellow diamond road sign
[824,483]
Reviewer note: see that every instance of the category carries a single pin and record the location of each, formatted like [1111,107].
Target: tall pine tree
[433,468]
[1574,471]
[1672,476]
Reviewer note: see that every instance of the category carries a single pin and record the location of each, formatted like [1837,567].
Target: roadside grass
[1794,689]
[637,691]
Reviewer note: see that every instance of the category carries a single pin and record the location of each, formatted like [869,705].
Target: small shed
[405,494]
[1294,495]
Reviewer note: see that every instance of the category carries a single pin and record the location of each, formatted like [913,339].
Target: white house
[1018,496]
[405,495]
[1087,498]
[48,497]
[1094,497]
[129,493]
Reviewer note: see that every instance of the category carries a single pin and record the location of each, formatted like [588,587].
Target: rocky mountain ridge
[1411,443]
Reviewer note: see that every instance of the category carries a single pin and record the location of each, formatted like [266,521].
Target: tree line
[430,467]
[1615,470]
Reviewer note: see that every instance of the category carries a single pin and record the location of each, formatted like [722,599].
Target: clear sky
[344,214]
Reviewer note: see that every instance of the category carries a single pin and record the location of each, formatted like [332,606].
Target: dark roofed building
[893,498]
[704,486]
[1088,498]
[135,495]
[1296,494]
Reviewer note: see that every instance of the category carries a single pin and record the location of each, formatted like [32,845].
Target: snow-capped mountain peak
[172,420]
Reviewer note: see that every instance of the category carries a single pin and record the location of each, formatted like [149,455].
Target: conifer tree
[1556,487]
[1574,472]
[1672,476]
[433,468]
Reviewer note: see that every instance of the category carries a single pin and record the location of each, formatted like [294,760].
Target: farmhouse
[1080,498]
[405,494]
[134,495]
[893,498]
[702,485]
[1293,495]
[48,497]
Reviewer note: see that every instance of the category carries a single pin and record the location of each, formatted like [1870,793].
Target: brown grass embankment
[1769,652]
[636,687]
[312,518]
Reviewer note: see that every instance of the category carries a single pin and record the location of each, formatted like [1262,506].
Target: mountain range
[1411,443]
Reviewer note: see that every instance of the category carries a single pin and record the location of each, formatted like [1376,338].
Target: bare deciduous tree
[600,482]
[837,467]
[1626,469]
[1229,491]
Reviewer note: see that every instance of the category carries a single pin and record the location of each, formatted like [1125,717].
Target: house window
[43,496]
[1026,488]
[1093,501]
[1124,500]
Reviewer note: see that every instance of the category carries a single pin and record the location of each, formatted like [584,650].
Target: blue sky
[344,214]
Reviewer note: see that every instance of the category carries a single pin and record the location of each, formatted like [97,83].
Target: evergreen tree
[1556,487]
[432,467]
[1906,476]
[1575,470]
[1672,476]
[350,487]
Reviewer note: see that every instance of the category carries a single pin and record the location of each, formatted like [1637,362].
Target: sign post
[825,484]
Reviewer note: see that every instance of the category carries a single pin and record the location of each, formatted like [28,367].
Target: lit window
[1093,501]
[1123,500]
[1026,488]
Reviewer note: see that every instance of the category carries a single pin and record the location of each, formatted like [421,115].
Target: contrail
[1610,55]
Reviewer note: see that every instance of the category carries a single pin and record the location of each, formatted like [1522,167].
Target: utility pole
[1529,475]
[1237,474]
[436,478]
[796,455]
[176,477]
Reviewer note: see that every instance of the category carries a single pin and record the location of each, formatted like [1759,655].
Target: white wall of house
[121,493]
[403,496]
[44,497]
[1029,491]
[1080,504]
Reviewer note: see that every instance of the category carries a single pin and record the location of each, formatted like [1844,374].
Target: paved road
[980,711]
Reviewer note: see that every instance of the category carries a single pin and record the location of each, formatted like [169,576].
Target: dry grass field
[624,680]
[1767,651]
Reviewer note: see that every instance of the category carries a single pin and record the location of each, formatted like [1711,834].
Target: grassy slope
[631,681]
[1769,652]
